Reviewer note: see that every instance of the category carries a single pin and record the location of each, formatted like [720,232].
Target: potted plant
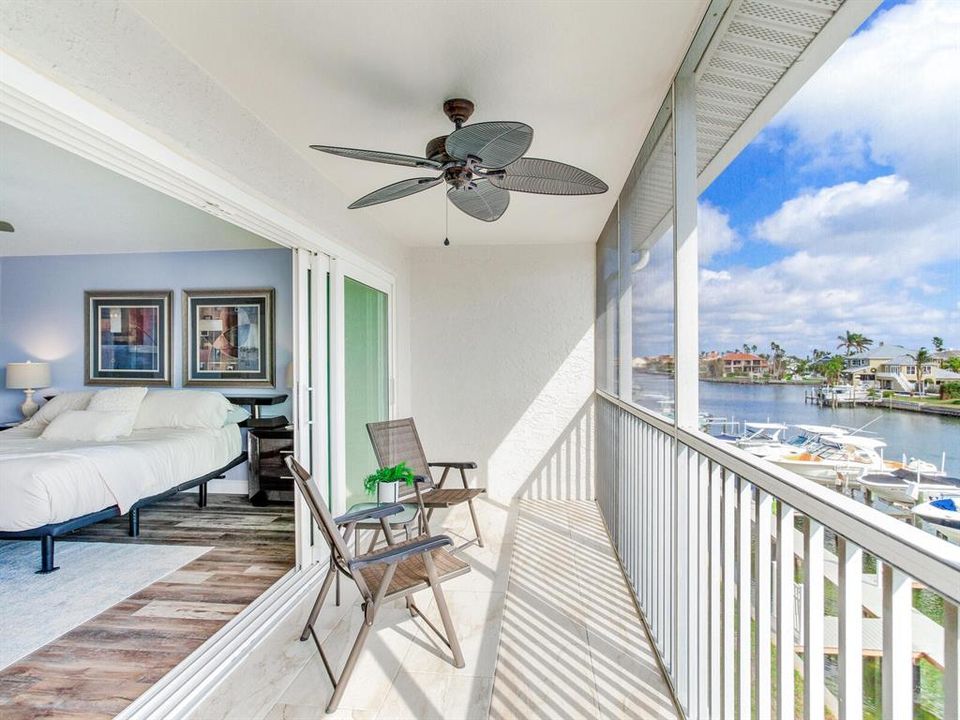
[385,482]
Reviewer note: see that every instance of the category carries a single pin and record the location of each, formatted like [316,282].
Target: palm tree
[921,357]
[938,343]
[832,369]
[854,341]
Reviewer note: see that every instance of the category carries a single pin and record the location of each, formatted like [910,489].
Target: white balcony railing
[713,541]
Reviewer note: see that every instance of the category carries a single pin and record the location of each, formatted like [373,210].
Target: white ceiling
[588,76]
[60,203]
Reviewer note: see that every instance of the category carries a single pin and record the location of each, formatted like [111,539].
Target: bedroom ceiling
[62,204]
[588,76]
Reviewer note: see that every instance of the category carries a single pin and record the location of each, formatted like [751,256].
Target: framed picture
[228,337]
[127,339]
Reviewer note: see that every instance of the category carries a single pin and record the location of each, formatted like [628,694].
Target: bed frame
[47,533]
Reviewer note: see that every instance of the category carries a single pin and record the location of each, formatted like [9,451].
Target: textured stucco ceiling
[588,76]
[60,203]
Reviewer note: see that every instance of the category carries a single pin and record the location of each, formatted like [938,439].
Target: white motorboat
[943,515]
[757,435]
[841,394]
[807,438]
[837,459]
[909,486]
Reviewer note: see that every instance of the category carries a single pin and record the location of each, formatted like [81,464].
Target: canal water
[916,434]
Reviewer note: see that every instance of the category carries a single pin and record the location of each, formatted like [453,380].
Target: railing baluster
[703,585]
[729,597]
[683,628]
[850,580]
[786,691]
[951,660]
[744,592]
[716,600]
[897,651]
[813,687]
[764,699]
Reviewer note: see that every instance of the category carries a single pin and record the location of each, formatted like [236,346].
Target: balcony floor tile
[546,622]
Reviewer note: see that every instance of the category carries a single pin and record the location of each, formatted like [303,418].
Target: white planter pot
[388,492]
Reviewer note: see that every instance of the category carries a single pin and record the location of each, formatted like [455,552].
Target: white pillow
[61,403]
[126,400]
[183,409]
[88,425]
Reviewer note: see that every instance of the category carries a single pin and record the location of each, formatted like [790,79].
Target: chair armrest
[369,514]
[455,465]
[396,553]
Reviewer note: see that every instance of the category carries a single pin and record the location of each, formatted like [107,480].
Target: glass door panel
[366,376]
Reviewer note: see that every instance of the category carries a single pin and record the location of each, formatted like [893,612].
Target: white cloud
[890,93]
[714,234]
[814,215]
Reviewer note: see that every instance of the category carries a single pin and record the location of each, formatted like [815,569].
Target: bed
[50,488]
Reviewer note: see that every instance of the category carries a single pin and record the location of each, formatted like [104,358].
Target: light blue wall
[41,305]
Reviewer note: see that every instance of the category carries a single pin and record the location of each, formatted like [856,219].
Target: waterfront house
[739,363]
[891,367]
[632,566]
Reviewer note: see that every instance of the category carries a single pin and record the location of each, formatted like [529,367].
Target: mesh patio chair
[396,571]
[396,441]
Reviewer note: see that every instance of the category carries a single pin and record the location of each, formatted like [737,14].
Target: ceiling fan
[480,163]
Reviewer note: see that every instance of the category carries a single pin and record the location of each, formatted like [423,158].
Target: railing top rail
[928,559]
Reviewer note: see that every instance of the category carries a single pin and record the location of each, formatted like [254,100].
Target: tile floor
[547,628]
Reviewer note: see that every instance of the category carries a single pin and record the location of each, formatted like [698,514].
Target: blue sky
[844,213]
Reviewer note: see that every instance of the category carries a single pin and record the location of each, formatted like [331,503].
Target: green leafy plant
[397,473]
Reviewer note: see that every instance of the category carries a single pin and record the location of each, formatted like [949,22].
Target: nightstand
[268,478]
[255,403]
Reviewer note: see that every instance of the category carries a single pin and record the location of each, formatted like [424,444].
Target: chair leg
[318,604]
[373,540]
[448,627]
[347,671]
[370,608]
[473,512]
[443,479]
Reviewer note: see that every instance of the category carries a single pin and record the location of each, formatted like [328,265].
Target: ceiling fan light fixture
[481,163]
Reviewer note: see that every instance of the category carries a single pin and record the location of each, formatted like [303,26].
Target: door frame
[340,269]
[37,105]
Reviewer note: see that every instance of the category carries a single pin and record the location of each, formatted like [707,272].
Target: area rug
[35,609]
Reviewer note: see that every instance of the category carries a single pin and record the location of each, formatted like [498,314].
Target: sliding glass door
[366,378]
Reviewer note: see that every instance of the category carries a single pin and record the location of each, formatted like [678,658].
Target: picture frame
[229,338]
[127,337]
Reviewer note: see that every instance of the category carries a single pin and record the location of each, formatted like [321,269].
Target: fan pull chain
[446,221]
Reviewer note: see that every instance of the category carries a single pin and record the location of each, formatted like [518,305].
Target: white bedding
[44,481]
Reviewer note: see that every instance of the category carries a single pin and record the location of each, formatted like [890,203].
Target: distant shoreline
[735,380]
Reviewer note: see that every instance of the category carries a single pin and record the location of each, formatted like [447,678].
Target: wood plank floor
[101,666]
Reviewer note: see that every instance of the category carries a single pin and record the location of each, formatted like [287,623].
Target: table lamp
[28,376]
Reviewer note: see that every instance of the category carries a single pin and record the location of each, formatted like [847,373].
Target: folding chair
[395,571]
[396,441]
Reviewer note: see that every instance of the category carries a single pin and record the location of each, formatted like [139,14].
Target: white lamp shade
[28,375]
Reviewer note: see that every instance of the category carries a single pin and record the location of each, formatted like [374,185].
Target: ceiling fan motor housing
[458,110]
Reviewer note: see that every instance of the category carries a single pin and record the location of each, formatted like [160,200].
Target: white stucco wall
[502,372]
[108,54]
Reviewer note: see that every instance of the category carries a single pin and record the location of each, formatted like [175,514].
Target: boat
[757,434]
[841,394]
[943,515]
[836,459]
[908,486]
